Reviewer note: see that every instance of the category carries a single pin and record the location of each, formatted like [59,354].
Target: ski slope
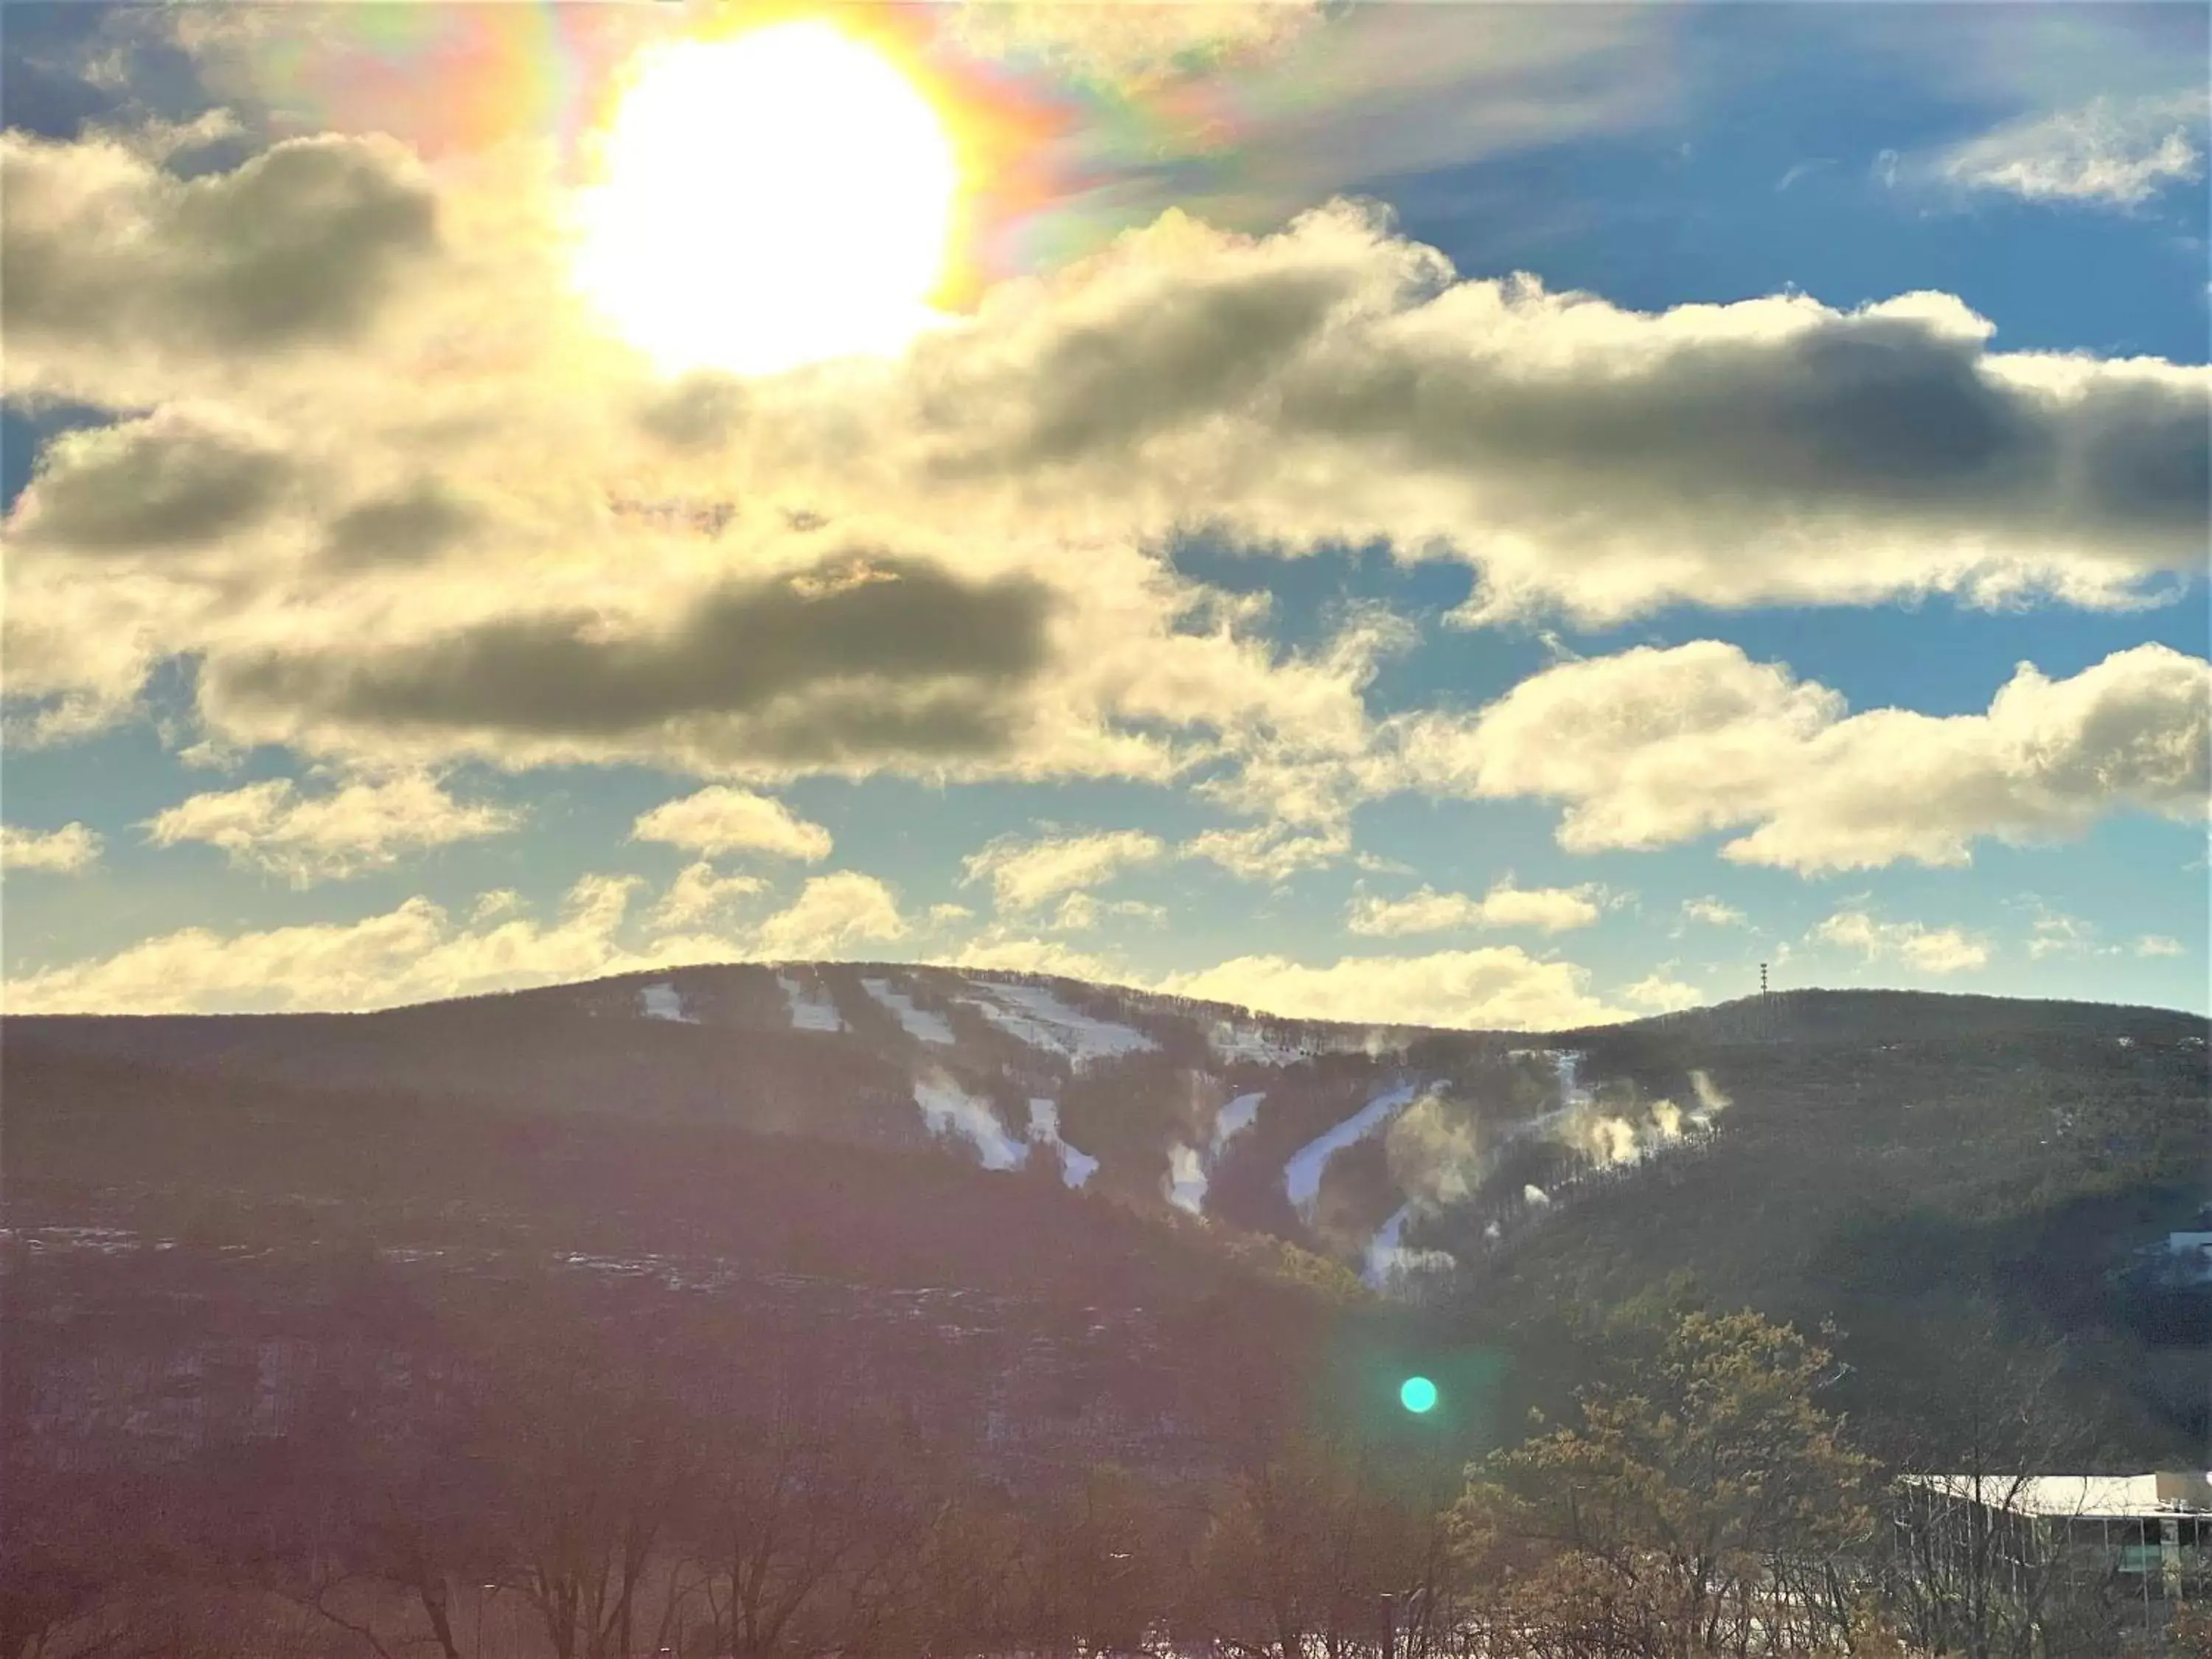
[808,1011]
[1032,1015]
[949,1109]
[662,1002]
[1301,1175]
[1075,1168]
[919,1023]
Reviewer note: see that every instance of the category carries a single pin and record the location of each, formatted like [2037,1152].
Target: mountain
[1882,1160]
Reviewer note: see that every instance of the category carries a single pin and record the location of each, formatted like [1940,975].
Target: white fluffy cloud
[420,951]
[997,949]
[2158,944]
[1665,994]
[67,851]
[1931,949]
[832,913]
[415,953]
[1115,42]
[1501,988]
[719,820]
[2106,153]
[1655,746]
[401,503]
[1270,852]
[1712,912]
[1551,909]
[368,824]
[700,894]
[1078,913]
[1025,874]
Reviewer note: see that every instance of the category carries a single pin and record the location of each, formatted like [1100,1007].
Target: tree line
[525,1474]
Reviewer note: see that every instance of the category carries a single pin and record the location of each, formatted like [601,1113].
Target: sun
[767,200]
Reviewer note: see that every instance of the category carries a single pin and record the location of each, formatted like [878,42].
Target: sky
[1474,515]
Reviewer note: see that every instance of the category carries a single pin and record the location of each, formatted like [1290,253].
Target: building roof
[2080,1495]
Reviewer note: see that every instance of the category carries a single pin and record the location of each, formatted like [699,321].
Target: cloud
[2107,153]
[2158,944]
[880,656]
[1122,44]
[1500,988]
[1654,747]
[699,895]
[831,914]
[998,950]
[365,825]
[719,820]
[1553,909]
[107,257]
[415,952]
[2053,933]
[1334,383]
[1023,874]
[179,479]
[1270,852]
[446,529]
[1078,913]
[1657,991]
[1931,949]
[71,850]
[1712,912]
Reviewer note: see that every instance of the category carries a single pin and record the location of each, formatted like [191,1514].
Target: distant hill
[1877,1158]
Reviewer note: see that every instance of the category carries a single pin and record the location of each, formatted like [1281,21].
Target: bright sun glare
[775,198]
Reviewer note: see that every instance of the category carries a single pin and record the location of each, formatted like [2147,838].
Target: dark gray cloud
[166,482]
[1337,383]
[301,244]
[873,657]
[409,527]
[1197,353]
[1855,411]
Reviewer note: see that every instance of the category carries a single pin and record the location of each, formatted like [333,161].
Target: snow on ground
[950,1109]
[808,1011]
[1231,1044]
[661,1002]
[1382,1251]
[1075,1168]
[920,1023]
[1302,1176]
[1233,1119]
[1387,1259]
[1185,1181]
[1033,1015]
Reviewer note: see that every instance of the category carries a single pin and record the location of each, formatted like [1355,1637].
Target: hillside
[1882,1160]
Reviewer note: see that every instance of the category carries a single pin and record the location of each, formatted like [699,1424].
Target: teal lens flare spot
[1417,1395]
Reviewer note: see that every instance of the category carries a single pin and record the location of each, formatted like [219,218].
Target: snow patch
[1389,1260]
[809,1013]
[1302,1176]
[1232,1043]
[921,1024]
[661,1002]
[1185,1181]
[1031,1014]
[950,1109]
[1075,1168]
[1233,1119]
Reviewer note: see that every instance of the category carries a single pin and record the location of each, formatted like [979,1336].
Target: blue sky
[1273,614]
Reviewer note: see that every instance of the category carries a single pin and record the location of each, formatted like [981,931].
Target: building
[2188,1259]
[2137,1542]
